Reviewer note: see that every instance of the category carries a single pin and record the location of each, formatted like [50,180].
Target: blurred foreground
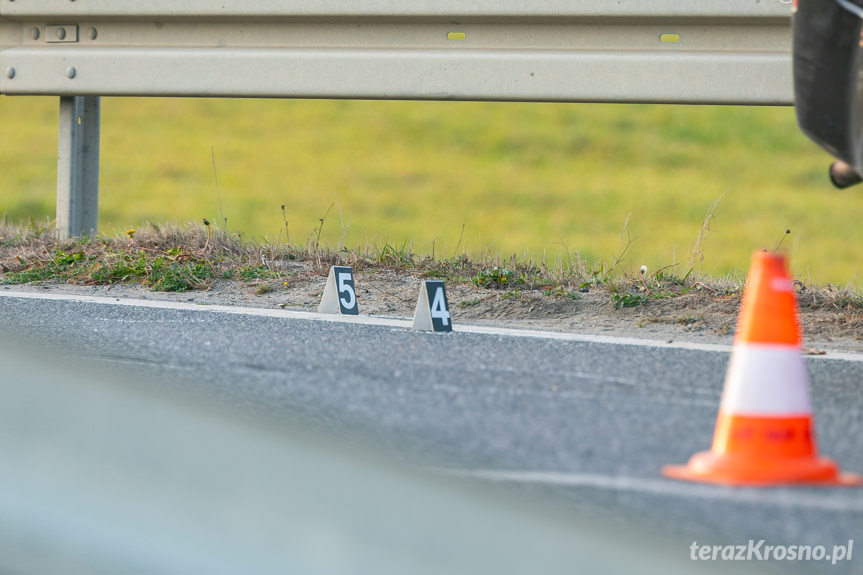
[103,474]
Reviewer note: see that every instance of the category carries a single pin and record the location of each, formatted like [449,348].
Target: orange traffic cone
[765,433]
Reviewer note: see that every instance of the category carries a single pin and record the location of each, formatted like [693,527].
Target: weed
[285,219]
[512,295]
[263,288]
[560,291]
[460,238]
[63,260]
[666,277]
[60,265]
[29,276]
[696,256]
[469,303]
[207,225]
[497,278]
[174,270]
[249,273]
[622,300]
[395,256]
[180,277]
[848,301]
[315,244]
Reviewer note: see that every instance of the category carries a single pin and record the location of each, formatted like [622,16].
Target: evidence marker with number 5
[339,293]
[432,313]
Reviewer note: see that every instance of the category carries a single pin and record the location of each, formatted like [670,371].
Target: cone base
[724,469]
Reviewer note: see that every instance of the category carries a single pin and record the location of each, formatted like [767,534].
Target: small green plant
[512,295]
[849,301]
[469,303]
[29,276]
[667,277]
[392,255]
[63,260]
[263,288]
[622,300]
[249,273]
[561,291]
[60,265]
[497,278]
[180,277]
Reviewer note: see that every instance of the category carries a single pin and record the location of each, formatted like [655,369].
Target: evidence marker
[432,313]
[339,294]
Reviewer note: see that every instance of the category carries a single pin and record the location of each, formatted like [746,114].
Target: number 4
[438,307]
[432,313]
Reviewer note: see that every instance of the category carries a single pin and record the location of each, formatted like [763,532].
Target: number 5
[345,281]
[339,295]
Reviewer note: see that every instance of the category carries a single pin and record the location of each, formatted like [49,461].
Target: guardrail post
[78,166]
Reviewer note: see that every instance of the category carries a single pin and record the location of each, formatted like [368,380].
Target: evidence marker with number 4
[432,312]
[339,294]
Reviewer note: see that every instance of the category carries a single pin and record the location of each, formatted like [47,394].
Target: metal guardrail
[685,51]
[669,51]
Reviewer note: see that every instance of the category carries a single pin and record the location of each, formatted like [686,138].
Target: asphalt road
[587,423]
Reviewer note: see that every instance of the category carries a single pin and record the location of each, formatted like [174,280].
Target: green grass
[541,181]
[102,261]
[622,300]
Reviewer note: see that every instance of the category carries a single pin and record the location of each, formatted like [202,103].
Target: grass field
[524,179]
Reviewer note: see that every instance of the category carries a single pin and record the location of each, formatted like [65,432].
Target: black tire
[828,78]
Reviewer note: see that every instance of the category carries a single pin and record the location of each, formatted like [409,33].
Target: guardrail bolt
[93,33]
[61,33]
[71,72]
[10,72]
[34,33]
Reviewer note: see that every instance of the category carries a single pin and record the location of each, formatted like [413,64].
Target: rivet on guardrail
[10,72]
[61,33]
[71,72]
[93,33]
[34,33]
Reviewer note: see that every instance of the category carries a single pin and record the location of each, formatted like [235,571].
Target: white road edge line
[780,497]
[399,323]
